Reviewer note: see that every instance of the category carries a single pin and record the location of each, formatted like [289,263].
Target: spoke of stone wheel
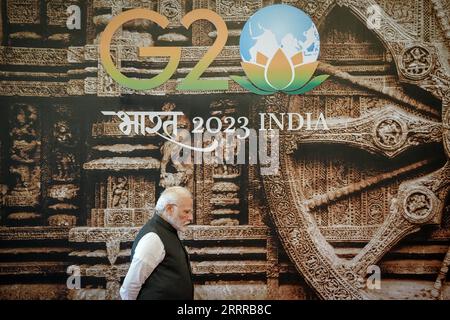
[337,194]
[393,93]
[427,194]
[388,131]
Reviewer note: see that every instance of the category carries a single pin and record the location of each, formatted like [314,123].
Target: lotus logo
[279,47]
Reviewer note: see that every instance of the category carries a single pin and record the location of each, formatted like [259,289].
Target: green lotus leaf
[310,85]
[246,84]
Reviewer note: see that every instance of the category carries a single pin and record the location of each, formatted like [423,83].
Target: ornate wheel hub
[418,202]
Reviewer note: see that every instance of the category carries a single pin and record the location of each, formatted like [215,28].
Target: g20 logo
[192,81]
[278,54]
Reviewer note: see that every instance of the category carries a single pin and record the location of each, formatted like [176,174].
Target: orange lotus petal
[261,59]
[279,71]
[297,58]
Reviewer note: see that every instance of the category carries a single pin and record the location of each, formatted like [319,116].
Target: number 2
[192,81]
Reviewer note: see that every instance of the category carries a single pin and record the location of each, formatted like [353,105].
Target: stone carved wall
[23,197]
[64,189]
[346,198]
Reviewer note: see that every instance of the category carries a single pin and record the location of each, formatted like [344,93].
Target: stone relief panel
[371,191]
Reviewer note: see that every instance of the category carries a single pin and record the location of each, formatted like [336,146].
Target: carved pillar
[64,188]
[177,168]
[255,195]
[106,86]
[272,268]
[226,198]
[23,198]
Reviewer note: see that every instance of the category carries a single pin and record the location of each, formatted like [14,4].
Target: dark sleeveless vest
[172,278]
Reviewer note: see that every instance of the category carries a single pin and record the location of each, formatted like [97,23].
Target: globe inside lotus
[279,27]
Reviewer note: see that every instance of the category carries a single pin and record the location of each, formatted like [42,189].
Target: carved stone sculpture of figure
[3,192]
[65,166]
[173,155]
[23,151]
[25,123]
[22,175]
[120,193]
[63,133]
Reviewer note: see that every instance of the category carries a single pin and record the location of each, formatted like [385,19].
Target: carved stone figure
[173,156]
[63,133]
[120,193]
[416,62]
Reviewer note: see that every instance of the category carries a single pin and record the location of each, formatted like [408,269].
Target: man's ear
[169,209]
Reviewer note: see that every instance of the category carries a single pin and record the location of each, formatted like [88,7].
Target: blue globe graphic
[276,27]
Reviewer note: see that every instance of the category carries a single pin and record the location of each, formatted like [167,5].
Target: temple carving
[371,191]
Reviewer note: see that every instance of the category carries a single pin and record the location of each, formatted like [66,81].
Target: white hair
[171,196]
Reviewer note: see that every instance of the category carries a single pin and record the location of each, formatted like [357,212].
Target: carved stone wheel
[365,180]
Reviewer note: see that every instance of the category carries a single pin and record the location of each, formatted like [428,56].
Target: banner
[312,138]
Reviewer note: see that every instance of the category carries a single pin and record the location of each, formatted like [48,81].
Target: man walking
[160,267]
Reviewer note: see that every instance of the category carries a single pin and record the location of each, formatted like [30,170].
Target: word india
[218,141]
